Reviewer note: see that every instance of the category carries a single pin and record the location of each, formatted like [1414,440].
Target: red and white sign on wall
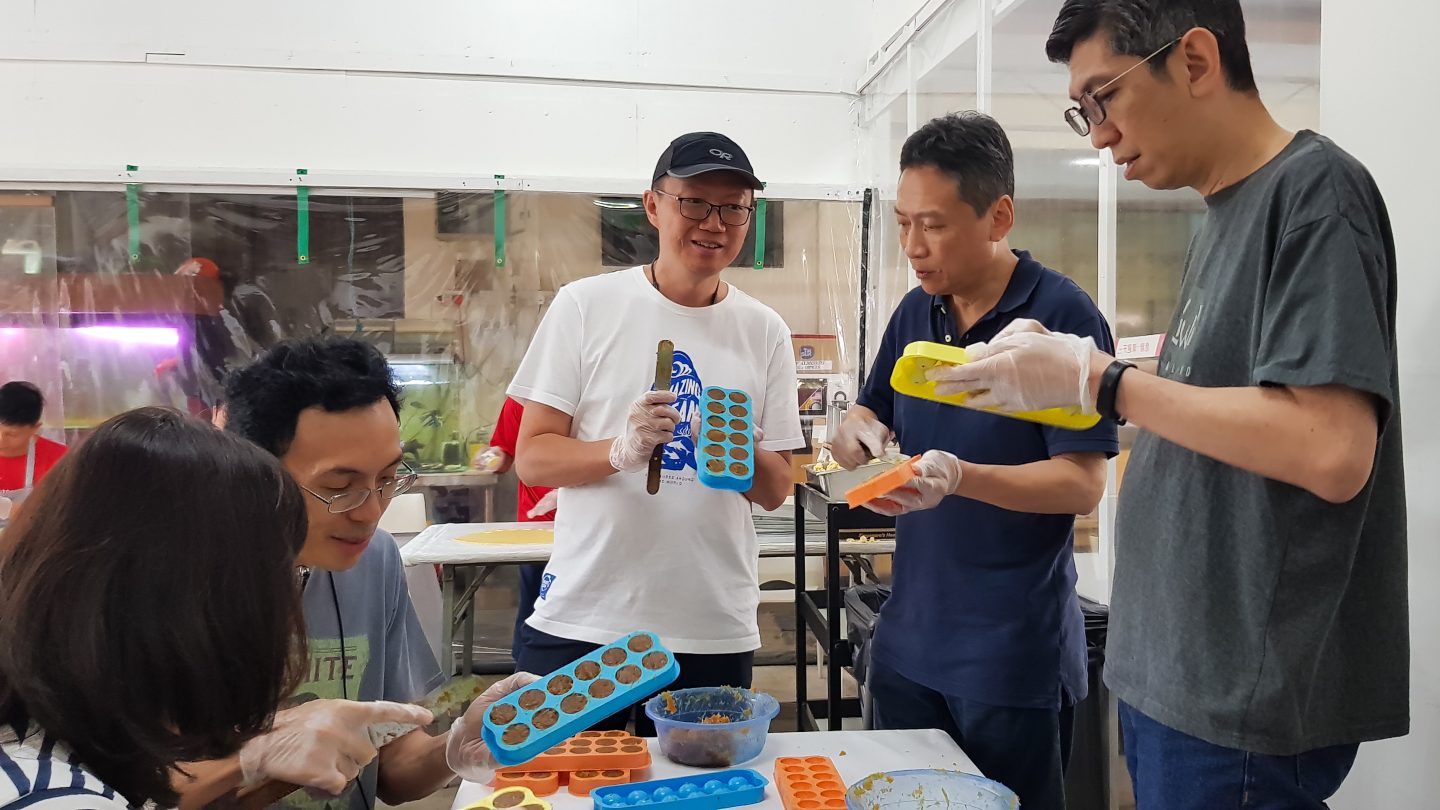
[1142,347]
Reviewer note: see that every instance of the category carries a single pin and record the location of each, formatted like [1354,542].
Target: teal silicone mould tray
[725,454]
[527,723]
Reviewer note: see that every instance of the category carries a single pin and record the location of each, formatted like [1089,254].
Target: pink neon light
[133,335]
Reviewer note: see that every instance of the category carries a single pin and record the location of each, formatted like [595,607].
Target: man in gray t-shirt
[327,408]
[366,644]
[1259,625]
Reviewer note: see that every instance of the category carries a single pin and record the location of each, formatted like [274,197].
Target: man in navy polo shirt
[983,635]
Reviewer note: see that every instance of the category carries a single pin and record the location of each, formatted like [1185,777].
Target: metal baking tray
[835,483]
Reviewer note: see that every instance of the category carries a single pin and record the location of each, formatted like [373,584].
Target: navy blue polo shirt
[984,605]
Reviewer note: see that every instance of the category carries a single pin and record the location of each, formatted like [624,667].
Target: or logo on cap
[723,155]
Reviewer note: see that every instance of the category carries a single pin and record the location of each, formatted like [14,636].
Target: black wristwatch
[1109,387]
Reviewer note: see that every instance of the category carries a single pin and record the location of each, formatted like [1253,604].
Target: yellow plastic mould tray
[908,378]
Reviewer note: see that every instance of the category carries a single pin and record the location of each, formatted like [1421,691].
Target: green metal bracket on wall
[499,225]
[760,234]
[132,215]
[302,218]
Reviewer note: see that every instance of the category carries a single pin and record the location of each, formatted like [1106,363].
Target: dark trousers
[542,653]
[530,576]
[1025,750]
[1173,771]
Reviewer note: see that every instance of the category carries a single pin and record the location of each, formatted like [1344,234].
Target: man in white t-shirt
[681,563]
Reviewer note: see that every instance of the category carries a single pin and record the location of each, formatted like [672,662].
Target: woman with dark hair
[149,612]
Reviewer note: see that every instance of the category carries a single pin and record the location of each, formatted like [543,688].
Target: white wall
[1374,58]
[882,18]
[747,43]
[560,88]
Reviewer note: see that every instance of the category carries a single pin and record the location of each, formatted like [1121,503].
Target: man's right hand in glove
[651,423]
[323,744]
[861,437]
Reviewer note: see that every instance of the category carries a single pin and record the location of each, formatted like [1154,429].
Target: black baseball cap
[700,152]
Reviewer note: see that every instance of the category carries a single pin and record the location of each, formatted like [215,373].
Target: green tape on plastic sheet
[302,220]
[132,215]
[760,234]
[499,224]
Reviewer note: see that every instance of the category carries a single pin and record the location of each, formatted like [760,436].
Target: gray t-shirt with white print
[1247,612]
[366,644]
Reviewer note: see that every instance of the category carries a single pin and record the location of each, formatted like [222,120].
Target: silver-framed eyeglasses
[699,210]
[352,499]
[1090,111]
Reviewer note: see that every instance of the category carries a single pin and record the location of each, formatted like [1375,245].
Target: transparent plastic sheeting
[218,277]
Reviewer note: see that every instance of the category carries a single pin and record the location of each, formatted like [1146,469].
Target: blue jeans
[530,576]
[1025,750]
[1174,771]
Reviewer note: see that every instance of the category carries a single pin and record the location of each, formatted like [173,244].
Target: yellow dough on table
[509,537]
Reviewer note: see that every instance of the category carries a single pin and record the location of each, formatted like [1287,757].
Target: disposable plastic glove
[1023,371]
[465,751]
[937,474]
[859,439]
[651,423]
[982,350]
[491,460]
[1019,326]
[322,744]
[545,505]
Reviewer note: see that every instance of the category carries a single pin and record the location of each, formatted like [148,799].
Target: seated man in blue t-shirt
[983,635]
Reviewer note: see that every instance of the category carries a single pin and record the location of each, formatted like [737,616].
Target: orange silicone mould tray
[591,751]
[809,783]
[882,484]
[582,782]
[541,783]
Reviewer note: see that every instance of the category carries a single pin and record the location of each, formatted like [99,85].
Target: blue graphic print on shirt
[686,386]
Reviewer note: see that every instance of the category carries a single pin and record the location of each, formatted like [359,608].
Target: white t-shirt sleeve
[781,418]
[550,372]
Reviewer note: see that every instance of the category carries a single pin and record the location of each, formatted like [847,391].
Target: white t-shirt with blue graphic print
[681,563]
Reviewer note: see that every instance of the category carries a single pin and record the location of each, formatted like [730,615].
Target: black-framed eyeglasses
[352,499]
[1090,111]
[699,210]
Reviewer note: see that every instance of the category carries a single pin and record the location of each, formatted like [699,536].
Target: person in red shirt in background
[533,504]
[25,457]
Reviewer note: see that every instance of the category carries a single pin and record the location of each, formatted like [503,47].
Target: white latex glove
[1021,326]
[322,744]
[859,439]
[491,460]
[980,351]
[1024,371]
[651,423]
[545,505]
[937,474]
[465,751]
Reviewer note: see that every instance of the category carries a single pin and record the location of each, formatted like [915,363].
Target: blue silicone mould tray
[707,791]
[530,721]
[725,453]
